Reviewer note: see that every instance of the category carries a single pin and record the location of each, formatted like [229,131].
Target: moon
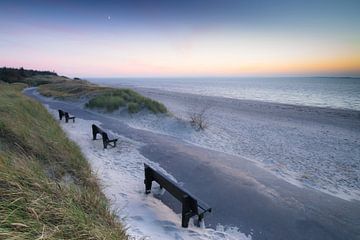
[108,17]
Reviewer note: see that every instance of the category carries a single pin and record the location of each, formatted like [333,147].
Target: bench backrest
[172,187]
[96,130]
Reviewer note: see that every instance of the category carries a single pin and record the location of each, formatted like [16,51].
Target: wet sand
[241,193]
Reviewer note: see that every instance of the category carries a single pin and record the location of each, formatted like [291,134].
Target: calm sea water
[315,91]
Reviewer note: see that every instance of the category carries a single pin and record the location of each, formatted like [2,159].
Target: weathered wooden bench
[106,141]
[66,115]
[191,206]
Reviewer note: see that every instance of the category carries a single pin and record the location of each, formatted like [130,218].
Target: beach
[259,199]
[216,120]
[307,146]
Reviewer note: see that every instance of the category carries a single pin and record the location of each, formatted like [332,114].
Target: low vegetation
[12,75]
[51,85]
[106,101]
[39,80]
[113,99]
[70,89]
[47,190]
[106,98]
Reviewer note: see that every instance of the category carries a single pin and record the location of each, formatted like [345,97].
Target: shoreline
[299,107]
[286,99]
[247,104]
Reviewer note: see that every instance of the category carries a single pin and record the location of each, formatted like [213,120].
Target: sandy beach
[250,111]
[259,165]
[307,146]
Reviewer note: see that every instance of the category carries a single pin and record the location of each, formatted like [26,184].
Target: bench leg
[148,180]
[201,222]
[105,144]
[186,212]
[94,131]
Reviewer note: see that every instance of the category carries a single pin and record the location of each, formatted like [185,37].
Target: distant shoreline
[334,93]
[146,91]
[247,101]
[334,77]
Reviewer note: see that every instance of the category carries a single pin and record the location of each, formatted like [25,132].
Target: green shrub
[108,102]
[115,98]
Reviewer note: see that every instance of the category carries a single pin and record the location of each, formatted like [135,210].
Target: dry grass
[47,190]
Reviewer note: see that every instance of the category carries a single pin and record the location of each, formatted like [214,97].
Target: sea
[330,92]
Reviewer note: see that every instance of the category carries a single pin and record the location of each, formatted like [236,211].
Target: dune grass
[113,99]
[133,107]
[38,80]
[70,89]
[47,190]
[106,98]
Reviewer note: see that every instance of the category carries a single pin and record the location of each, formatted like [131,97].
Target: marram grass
[113,99]
[106,98]
[47,190]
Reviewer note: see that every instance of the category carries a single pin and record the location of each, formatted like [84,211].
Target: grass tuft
[110,103]
[113,99]
[133,107]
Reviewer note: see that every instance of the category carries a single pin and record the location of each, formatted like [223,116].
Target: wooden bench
[66,115]
[191,206]
[106,141]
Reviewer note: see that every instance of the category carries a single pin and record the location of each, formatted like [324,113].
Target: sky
[182,38]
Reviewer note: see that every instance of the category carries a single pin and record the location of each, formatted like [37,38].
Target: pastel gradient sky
[182,38]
